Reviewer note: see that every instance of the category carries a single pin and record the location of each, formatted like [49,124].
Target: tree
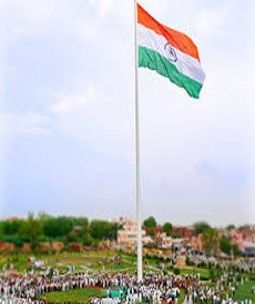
[101,230]
[236,251]
[211,241]
[12,227]
[43,216]
[201,227]
[226,245]
[31,230]
[231,227]
[58,227]
[87,240]
[1,230]
[150,222]
[80,231]
[81,221]
[168,228]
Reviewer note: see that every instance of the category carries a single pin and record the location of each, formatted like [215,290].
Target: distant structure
[244,238]
[183,232]
[163,241]
[196,243]
[127,236]
[180,261]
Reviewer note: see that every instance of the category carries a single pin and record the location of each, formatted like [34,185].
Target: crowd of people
[201,260]
[155,288]
[223,292]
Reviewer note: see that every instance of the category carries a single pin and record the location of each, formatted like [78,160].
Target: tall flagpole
[137,156]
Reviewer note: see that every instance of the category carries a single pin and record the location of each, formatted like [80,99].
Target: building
[163,241]
[196,243]
[127,236]
[180,261]
[179,245]
[249,249]
[182,232]
[243,237]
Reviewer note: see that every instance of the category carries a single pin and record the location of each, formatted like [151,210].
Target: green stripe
[154,61]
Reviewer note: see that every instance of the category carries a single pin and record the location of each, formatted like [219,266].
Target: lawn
[91,260]
[80,296]
[245,292]
[204,273]
[18,260]
[182,297]
[3,260]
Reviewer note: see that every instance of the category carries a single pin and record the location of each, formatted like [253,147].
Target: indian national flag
[170,53]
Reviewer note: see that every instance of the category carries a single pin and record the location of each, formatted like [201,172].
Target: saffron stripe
[175,38]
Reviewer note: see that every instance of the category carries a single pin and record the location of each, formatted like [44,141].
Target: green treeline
[43,228]
[69,229]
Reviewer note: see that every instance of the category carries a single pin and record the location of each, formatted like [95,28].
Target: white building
[127,236]
[163,241]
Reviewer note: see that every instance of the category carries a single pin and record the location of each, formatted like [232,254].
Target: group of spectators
[154,289]
[223,292]
[30,287]
[201,260]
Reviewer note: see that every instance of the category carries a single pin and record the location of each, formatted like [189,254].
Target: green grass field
[182,297]
[18,260]
[245,292]
[91,260]
[73,296]
[204,273]
[81,296]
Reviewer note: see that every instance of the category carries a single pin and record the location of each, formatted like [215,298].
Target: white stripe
[185,64]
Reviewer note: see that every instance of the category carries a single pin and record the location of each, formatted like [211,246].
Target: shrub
[177,271]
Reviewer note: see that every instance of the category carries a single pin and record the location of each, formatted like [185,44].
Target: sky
[67,113]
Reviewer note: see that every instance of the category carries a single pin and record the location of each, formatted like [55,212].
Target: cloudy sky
[67,112]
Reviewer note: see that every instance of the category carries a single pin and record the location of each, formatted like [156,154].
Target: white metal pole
[137,154]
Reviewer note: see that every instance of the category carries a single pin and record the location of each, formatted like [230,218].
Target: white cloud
[46,17]
[101,121]
[211,22]
[26,123]
[103,7]
[87,29]
[92,3]
[74,102]
[25,17]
